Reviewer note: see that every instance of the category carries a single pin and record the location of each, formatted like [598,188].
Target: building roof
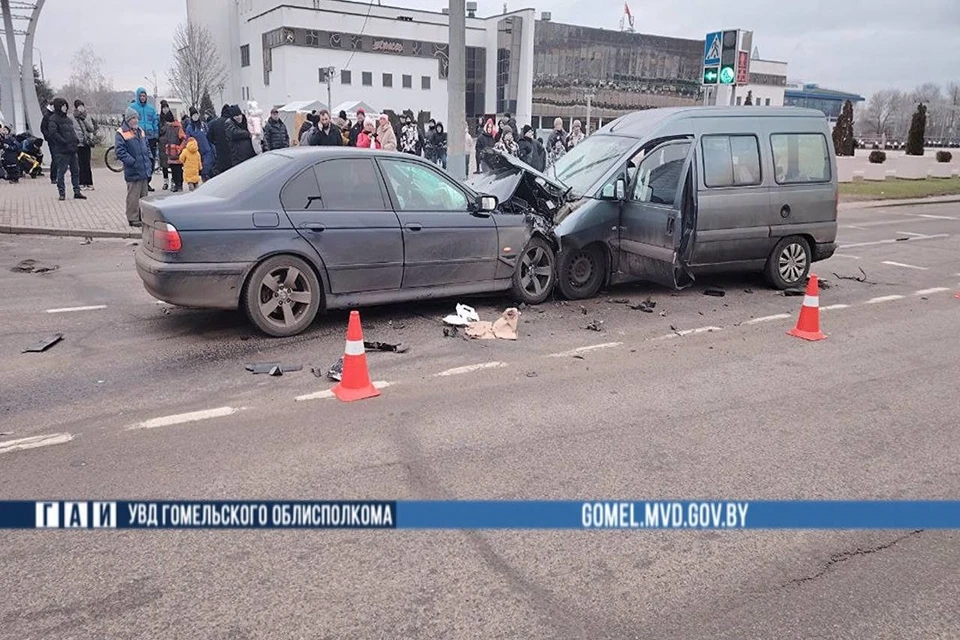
[639,123]
[815,91]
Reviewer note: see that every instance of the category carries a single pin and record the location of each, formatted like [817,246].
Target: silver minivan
[666,194]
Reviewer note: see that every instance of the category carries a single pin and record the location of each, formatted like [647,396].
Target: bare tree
[879,110]
[88,81]
[197,67]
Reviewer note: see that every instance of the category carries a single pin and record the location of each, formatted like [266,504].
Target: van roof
[639,123]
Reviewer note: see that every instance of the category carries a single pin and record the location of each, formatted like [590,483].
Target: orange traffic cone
[355,382]
[808,324]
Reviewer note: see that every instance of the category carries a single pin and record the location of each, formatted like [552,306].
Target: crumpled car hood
[521,189]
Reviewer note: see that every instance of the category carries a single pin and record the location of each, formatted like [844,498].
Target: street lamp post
[457,91]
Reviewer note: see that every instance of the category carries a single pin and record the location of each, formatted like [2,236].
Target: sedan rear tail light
[167,238]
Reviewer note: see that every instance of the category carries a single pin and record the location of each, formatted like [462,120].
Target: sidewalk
[31,206]
[873,204]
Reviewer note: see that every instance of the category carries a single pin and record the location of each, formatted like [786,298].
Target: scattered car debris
[579,357]
[794,292]
[825,284]
[32,266]
[523,305]
[44,344]
[861,278]
[583,310]
[336,371]
[504,328]
[663,314]
[672,328]
[748,290]
[594,325]
[272,368]
[902,239]
[451,332]
[385,346]
[133,243]
[618,301]
[718,293]
[244,338]
[647,306]
[532,374]
[464,316]
[86,240]
[397,325]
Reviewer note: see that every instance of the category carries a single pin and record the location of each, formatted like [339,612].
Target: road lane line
[932,217]
[688,332]
[883,299]
[328,393]
[470,368]
[891,241]
[835,306]
[905,266]
[911,233]
[182,418]
[67,309]
[581,350]
[34,442]
[846,255]
[924,292]
[779,316]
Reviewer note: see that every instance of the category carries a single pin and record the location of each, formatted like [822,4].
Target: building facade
[388,57]
[621,70]
[811,96]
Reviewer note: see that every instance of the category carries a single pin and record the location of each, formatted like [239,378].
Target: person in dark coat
[87,135]
[133,150]
[44,129]
[307,124]
[326,134]
[357,128]
[485,142]
[531,151]
[200,131]
[63,144]
[241,142]
[218,138]
[275,134]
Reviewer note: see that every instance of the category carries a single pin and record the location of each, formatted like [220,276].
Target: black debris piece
[385,346]
[594,325]
[647,306]
[718,293]
[583,310]
[336,371]
[32,266]
[44,344]
[272,368]
[700,312]
[748,290]
[523,305]
[244,338]
[579,357]
[450,332]
[825,284]
[794,292]
[924,298]
[861,278]
[532,374]
[663,314]
[86,240]
[902,239]
[397,325]
[672,328]
[618,301]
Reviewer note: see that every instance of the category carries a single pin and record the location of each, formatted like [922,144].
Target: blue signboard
[712,48]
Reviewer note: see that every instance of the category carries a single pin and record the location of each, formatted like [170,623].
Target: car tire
[535,275]
[789,263]
[582,272]
[282,296]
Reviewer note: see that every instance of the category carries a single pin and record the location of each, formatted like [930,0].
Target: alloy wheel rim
[535,271]
[792,263]
[284,296]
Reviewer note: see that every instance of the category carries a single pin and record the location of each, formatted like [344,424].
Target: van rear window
[731,161]
[800,158]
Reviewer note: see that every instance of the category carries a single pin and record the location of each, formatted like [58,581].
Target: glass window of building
[245,55]
[345,76]
[388,80]
[367,78]
[425,83]
[407,81]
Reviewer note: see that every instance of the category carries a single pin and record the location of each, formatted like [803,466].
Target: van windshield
[586,163]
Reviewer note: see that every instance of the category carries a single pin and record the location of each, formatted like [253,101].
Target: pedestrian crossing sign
[711,49]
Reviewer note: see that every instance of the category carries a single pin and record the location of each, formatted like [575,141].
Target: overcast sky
[839,44]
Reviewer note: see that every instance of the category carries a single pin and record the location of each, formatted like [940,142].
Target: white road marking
[67,309]
[905,266]
[891,241]
[846,255]
[34,441]
[924,292]
[835,306]
[182,418]
[911,233]
[779,316]
[688,332]
[328,393]
[883,299]
[580,350]
[470,368]
[931,217]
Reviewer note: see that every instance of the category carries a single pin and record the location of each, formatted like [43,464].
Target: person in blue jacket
[197,129]
[133,150]
[150,124]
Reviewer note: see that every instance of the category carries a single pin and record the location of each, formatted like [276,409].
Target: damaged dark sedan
[291,233]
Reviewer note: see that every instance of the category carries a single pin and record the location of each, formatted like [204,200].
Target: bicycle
[113,163]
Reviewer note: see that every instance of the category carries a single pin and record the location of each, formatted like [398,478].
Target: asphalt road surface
[710,400]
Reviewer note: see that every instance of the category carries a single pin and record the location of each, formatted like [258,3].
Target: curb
[74,233]
[910,202]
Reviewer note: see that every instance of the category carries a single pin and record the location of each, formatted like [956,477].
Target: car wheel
[582,272]
[534,277]
[282,296]
[789,263]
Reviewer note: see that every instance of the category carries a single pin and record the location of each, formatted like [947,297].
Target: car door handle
[413,226]
[314,226]
[785,211]
[671,224]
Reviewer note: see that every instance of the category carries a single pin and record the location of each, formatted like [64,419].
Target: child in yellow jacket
[192,163]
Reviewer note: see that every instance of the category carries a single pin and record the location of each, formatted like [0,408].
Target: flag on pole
[626,10]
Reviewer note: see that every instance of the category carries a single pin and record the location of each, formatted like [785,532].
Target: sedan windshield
[243,176]
[586,163]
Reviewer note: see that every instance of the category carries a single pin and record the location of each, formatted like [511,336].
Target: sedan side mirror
[615,191]
[488,204]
